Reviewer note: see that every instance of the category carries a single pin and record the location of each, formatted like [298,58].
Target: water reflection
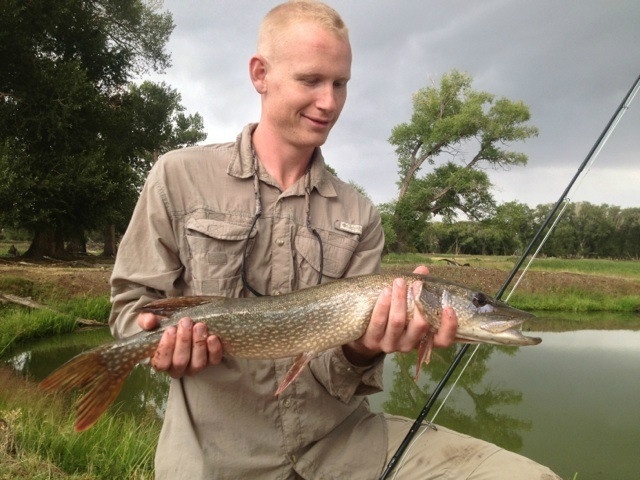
[144,390]
[569,403]
[476,407]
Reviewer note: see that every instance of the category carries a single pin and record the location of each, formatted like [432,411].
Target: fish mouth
[511,330]
[498,332]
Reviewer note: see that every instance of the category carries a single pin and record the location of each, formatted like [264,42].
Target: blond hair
[278,20]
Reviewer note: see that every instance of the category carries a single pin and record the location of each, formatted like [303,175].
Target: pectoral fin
[294,372]
[424,352]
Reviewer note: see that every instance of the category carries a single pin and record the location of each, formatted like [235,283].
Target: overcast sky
[572,62]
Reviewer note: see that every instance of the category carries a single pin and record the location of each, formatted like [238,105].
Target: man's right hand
[185,349]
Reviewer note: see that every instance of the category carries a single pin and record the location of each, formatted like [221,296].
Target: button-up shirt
[187,237]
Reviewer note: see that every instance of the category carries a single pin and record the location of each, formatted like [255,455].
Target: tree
[511,228]
[65,64]
[448,122]
[148,121]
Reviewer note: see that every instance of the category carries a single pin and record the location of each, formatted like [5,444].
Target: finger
[417,327]
[162,359]
[421,270]
[378,323]
[214,348]
[182,352]
[199,354]
[446,334]
[147,321]
[397,316]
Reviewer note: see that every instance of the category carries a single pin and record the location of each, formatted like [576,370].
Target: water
[570,403]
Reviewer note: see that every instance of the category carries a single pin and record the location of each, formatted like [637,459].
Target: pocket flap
[218,229]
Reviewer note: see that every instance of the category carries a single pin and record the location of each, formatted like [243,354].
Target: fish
[299,324]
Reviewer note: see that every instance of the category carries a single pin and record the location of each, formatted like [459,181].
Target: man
[263,216]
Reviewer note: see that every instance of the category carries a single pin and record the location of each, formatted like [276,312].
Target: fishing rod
[589,159]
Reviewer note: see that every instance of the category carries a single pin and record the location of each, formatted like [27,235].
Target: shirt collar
[241,166]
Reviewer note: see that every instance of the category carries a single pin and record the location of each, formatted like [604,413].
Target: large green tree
[457,130]
[66,67]
[147,121]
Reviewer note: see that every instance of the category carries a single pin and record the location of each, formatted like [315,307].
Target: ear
[258,73]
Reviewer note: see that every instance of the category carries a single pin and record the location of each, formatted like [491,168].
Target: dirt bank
[90,277]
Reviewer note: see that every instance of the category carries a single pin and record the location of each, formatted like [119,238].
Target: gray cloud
[571,62]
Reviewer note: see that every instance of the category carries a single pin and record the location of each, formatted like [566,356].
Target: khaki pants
[445,454]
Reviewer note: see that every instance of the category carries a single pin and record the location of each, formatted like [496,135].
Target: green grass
[575,301]
[608,268]
[19,324]
[118,446]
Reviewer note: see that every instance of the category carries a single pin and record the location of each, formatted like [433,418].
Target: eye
[310,81]
[480,300]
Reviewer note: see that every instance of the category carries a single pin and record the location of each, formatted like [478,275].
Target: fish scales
[299,324]
[285,325]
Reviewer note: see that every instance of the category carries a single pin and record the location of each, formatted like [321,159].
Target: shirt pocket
[215,254]
[337,250]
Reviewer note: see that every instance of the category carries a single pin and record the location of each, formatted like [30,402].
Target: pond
[570,403]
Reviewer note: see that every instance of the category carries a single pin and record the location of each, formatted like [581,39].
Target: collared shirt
[186,237]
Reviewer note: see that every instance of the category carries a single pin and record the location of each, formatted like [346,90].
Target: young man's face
[306,84]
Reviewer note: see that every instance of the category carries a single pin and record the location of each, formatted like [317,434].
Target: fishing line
[588,161]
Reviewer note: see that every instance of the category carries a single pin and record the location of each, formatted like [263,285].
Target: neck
[285,163]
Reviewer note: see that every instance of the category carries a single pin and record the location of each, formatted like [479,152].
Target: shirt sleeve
[148,265]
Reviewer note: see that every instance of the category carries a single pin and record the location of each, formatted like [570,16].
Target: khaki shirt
[186,237]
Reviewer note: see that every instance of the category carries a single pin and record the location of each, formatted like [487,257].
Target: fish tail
[102,372]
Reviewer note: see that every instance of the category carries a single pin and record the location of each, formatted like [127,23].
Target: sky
[571,62]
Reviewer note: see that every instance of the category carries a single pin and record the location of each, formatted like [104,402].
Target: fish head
[481,318]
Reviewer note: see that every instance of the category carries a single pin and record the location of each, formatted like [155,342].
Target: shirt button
[276,293]
[279,242]
[287,402]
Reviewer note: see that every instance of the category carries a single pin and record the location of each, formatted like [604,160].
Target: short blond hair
[278,20]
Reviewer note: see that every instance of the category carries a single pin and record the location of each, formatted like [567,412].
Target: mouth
[319,122]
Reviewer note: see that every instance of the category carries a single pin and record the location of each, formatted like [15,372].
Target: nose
[327,98]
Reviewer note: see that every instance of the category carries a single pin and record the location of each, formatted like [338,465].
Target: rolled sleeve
[344,380]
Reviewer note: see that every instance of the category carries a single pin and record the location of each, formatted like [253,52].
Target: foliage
[584,231]
[479,417]
[70,147]
[448,122]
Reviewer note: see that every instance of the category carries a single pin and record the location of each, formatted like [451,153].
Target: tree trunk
[109,241]
[77,243]
[46,243]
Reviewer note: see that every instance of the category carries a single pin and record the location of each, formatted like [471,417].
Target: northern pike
[299,324]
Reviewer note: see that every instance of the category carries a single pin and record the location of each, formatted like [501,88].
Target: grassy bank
[39,440]
[551,284]
[18,324]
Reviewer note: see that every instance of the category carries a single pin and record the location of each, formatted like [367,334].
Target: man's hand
[388,330]
[185,349]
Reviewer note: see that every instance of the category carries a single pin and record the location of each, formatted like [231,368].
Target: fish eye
[480,300]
